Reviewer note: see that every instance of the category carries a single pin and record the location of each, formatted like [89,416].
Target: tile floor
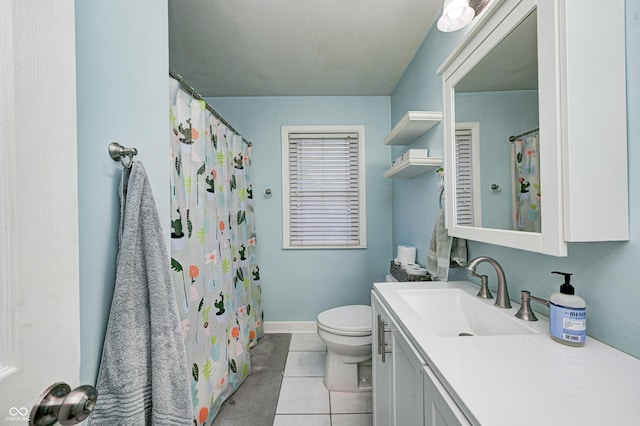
[304,400]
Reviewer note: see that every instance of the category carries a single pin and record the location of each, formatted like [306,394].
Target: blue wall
[500,114]
[122,89]
[298,284]
[603,272]
[416,200]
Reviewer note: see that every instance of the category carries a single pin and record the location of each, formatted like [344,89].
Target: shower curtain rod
[513,138]
[189,89]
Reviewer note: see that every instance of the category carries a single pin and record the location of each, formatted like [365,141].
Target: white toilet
[346,332]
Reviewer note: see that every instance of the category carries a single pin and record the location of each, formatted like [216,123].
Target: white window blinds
[325,190]
[464,177]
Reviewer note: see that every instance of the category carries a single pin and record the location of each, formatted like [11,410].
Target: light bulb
[455,15]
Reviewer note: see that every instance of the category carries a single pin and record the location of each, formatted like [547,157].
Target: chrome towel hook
[119,153]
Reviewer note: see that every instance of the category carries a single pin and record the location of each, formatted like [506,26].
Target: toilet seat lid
[351,318]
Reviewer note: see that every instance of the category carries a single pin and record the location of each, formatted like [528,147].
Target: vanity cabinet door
[397,381]
[407,382]
[439,408]
[382,371]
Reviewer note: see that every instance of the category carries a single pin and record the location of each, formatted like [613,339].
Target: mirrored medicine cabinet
[534,116]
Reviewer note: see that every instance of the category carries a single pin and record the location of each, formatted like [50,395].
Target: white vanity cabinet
[405,390]
[408,391]
[397,373]
[479,380]
[382,374]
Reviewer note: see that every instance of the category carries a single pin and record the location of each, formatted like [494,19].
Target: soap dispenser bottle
[567,315]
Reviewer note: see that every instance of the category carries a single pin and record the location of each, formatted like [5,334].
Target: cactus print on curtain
[215,273]
[526,183]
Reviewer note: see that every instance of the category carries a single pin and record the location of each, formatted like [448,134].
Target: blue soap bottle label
[568,324]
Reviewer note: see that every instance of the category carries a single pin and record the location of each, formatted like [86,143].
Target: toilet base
[348,374]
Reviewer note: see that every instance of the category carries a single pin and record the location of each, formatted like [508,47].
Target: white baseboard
[290,327]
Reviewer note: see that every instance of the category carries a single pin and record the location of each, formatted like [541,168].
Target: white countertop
[523,379]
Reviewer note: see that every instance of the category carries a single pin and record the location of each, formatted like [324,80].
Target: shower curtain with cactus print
[526,183]
[215,273]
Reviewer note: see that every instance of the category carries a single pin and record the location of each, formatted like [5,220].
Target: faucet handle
[484,287]
[525,312]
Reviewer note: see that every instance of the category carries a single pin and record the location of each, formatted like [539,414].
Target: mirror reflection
[498,179]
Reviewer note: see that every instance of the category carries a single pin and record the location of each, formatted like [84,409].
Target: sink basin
[454,312]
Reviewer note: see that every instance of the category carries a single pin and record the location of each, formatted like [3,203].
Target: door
[382,370]
[439,408]
[408,393]
[39,287]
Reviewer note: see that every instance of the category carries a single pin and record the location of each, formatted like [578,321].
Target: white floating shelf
[411,167]
[411,126]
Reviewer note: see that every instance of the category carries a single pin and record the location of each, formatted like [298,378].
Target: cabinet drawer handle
[378,330]
[382,344]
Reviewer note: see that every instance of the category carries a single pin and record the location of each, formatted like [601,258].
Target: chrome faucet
[502,298]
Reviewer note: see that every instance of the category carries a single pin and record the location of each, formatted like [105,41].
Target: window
[468,202]
[323,187]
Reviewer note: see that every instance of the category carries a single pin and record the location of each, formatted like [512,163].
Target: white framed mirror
[492,79]
[501,93]
[512,74]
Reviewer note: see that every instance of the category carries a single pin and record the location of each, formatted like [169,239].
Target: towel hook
[119,152]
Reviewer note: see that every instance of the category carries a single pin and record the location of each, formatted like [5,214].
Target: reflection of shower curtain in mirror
[526,183]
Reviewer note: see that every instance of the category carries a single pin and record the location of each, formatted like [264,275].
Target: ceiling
[296,47]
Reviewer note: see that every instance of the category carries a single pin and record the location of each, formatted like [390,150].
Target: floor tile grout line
[281,381]
[330,410]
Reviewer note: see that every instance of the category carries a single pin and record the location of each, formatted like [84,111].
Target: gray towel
[143,378]
[444,250]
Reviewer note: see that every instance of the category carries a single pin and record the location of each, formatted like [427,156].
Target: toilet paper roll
[414,269]
[406,254]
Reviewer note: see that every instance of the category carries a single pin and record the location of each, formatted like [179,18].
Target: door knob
[58,403]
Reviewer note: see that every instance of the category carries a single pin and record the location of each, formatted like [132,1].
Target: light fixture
[455,15]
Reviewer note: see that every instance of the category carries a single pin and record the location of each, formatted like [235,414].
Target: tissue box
[416,153]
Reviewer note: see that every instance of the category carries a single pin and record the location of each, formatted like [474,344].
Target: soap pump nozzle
[566,287]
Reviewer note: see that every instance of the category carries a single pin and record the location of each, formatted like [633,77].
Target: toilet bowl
[346,332]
